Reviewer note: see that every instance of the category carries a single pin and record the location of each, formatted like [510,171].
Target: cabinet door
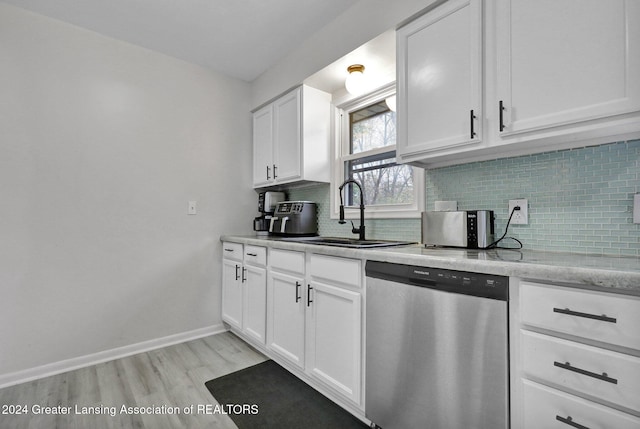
[334,338]
[287,136]
[563,62]
[255,303]
[285,316]
[232,293]
[263,146]
[440,79]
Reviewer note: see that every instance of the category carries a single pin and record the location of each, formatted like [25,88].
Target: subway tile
[571,194]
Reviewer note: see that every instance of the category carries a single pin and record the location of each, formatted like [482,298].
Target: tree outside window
[372,159]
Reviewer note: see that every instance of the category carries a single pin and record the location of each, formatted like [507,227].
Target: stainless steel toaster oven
[472,229]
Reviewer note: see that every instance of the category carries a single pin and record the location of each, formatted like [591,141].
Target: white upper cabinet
[566,62]
[263,146]
[539,75]
[287,135]
[440,80]
[291,138]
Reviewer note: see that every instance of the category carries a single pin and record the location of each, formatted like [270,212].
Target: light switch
[636,208]
[192,208]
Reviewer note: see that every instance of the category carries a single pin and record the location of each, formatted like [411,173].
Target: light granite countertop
[609,272]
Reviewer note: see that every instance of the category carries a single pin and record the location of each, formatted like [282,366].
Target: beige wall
[102,144]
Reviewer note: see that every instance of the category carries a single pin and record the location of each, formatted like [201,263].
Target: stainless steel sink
[348,242]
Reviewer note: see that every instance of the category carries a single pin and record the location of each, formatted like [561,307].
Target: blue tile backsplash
[580,200]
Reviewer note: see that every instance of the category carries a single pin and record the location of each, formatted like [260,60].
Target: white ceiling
[378,57]
[240,38]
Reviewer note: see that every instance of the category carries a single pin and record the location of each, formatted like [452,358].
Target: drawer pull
[602,318]
[569,421]
[309,300]
[228,250]
[252,254]
[603,376]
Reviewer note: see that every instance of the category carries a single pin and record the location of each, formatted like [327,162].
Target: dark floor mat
[283,401]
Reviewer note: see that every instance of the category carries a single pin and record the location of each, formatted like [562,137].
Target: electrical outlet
[520,217]
[192,208]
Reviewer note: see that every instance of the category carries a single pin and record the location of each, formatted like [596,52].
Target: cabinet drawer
[232,251]
[287,260]
[339,270]
[603,374]
[571,310]
[255,255]
[547,408]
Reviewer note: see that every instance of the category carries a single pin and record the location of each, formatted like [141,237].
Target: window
[367,154]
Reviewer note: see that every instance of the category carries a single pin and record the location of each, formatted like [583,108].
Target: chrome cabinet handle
[603,318]
[501,111]
[568,367]
[228,250]
[569,421]
[252,254]
[244,278]
[472,117]
[309,300]
[274,171]
[237,275]
[298,285]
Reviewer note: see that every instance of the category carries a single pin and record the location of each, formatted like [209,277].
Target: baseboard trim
[59,367]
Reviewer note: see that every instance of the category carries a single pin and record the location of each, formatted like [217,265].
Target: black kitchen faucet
[360,230]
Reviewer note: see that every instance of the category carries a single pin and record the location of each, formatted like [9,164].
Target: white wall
[102,144]
[362,22]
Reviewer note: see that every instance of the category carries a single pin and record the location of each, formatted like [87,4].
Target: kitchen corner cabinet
[291,138]
[244,284]
[546,80]
[232,291]
[576,358]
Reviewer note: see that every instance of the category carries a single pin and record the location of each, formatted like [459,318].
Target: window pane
[383,181]
[372,127]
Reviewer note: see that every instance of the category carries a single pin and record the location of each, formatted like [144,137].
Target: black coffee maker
[266,205]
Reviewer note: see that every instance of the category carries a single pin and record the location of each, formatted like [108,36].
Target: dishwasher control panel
[467,283]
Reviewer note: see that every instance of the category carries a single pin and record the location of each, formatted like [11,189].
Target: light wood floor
[173,376]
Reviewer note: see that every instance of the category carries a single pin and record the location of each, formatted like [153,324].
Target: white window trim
[341,140]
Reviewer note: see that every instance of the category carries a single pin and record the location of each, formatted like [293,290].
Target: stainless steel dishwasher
[437,348]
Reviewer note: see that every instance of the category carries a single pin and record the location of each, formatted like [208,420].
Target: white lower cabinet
[314,322]
[255,312]
[304,310]
[285,315]
[575,358]
[334,333]
[244,289]
[232,293]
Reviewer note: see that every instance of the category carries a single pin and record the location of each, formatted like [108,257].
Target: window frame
[341,153]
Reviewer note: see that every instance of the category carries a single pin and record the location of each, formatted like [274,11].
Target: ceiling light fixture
[355,82]
[391,102]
